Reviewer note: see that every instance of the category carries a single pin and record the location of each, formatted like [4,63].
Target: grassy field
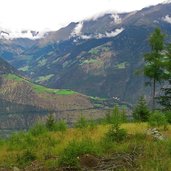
[38,88]
[63,147]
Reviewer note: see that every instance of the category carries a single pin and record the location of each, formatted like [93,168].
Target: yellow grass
[95,134]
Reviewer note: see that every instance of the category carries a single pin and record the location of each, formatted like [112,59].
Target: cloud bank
[43,15]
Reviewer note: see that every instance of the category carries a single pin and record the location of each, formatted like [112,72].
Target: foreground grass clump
[70,155]
[55,148]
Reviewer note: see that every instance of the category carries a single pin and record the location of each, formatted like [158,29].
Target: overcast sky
[52,14]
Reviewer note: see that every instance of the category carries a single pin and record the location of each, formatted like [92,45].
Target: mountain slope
[22,103]
[98,57]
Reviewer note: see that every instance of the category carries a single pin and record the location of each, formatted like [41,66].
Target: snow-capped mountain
[97,57]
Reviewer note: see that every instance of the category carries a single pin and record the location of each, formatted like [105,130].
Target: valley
[91,95]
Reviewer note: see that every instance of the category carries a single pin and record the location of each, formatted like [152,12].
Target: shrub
[81,123]
[60,126]
[92,125]
[53,125]
[69,156]
[141,111]
[1,142]
[21,140]
[158,119]
[38,129]
[168,116]
[169,147]
[116,116]
[50,123]
[25,158]
[115,134]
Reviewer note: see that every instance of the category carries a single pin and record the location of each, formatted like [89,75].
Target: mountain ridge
[89,57]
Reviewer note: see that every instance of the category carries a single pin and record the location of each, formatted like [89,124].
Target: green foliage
[25,158]
[21,141]
[115,134]
[69,156]
[121,65]
[81,123]
[1,142]
[94,51]
[38,129]
[13,77]
[24,69]
[168,116]
[92,125]
[60,126]
[141,111]
[152,68]
[158,119]
[157,40]
[169,147]
[42,89]
[50,123]
[39,88]
[42,62]
[116,116]
[44,78]
[153,59]
[53,125]
[90,61]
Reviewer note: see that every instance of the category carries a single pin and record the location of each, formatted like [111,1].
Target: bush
[116,116]
[69,156]
[158,119]
[141,111]
[38,129]
[115,134]
[21,141]
[50,123]
[81,123]
[25,158]
[92,125]
[60,126]
[169,147]
[168,116]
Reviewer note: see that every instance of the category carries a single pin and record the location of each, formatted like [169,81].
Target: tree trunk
[153,94]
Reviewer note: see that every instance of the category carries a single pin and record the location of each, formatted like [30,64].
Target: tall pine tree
[152,68]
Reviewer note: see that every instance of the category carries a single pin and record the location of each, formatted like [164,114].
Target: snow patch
[167,19]
[116,18]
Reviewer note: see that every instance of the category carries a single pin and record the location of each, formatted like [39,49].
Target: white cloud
[114,33]
[99,36]
[116,18]
[43,15]
[167,18]
[77,29]
[86,37]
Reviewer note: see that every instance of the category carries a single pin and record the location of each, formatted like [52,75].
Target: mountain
[23,103]
[99,56]
[30,34]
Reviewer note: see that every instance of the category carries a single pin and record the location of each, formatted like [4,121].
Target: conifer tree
[153,59]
